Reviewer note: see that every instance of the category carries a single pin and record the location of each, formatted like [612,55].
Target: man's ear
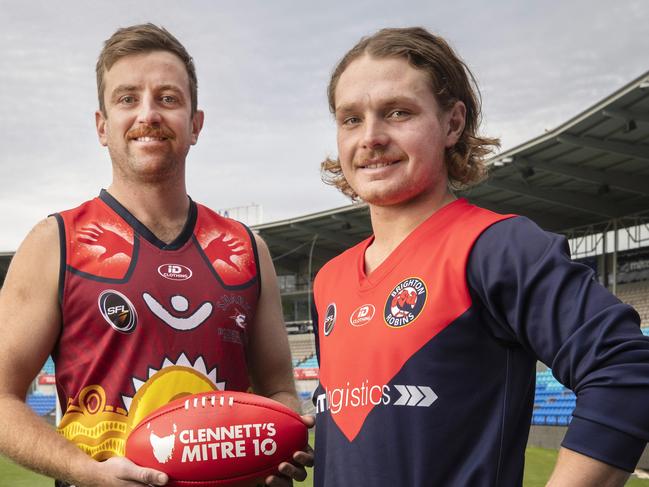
[100,123]
[455,122]
[197,125]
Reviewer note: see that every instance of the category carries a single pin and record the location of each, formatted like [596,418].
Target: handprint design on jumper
[225,249]
[98,235]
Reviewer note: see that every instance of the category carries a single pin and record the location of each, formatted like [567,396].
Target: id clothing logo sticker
[117,310]
[362,315]
[330,318]
[175,272]
[405,302]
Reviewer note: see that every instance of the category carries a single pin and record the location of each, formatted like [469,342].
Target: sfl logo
[175,272]
[330,318]
[117,310]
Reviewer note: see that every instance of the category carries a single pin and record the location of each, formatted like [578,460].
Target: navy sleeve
[536,297]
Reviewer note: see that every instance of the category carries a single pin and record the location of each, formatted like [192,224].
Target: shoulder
[37,260]
[43,236]
[517,253]
[517,234]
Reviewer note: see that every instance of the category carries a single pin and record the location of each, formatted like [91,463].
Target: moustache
[150,131]
[380,153]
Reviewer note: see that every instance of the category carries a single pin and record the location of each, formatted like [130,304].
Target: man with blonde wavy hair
[428,331]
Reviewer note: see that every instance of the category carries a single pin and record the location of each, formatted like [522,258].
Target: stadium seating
[302,348]
[308,363]
[41,404]
[48,368]
[553,403]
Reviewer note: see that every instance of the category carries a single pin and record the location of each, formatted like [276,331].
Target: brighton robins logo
[117,310]
[405,302]
[330,318]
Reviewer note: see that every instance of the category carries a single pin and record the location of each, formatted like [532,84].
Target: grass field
[539,463]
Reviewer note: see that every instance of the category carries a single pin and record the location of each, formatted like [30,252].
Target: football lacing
[212,400]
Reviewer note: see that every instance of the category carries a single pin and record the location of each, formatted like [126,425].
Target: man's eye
[127,99]
[398,114]
[351,121]
[169,99]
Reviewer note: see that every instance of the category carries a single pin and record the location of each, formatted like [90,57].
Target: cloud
[263,68]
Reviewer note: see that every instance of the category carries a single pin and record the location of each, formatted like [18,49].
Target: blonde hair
[450,81]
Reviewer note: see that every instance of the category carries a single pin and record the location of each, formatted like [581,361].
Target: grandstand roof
[329,231]
[590,170]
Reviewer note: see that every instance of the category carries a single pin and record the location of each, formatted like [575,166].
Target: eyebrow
[170,88]
[387,102]
[121,89]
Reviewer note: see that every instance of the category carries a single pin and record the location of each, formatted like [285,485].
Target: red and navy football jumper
[145,322]
[427,365]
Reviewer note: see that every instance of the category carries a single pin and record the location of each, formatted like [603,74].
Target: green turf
[539,463]
[15,476]
[538,466]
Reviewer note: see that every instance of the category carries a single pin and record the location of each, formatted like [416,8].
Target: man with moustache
[428,331]
[141,295]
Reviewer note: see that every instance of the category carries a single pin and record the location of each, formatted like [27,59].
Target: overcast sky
[263,67]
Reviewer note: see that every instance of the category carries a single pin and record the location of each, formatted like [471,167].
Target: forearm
[289,399]
[31,442]
[576,470]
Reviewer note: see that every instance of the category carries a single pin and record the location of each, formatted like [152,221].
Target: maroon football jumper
[145,322]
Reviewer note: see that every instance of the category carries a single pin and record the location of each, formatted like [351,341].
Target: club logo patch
[175,272]
[362,315]
[405,302]
[117,310]
[330,318]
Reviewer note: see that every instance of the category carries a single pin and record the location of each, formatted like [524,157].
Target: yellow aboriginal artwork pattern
[100,430]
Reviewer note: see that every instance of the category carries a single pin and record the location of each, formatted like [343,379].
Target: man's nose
[149,111]
[374,133]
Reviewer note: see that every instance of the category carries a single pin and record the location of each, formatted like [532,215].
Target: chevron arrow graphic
[429,396]
[422,396]
[416,396]
[405,395]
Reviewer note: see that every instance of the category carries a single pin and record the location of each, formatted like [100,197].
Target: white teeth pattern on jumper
[182,361]
[178,323]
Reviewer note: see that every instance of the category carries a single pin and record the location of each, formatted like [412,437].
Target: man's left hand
[295,470]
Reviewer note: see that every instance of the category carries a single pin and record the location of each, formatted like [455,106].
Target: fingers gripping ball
[217,439]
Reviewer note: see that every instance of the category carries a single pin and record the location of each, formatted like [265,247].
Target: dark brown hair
[139,39]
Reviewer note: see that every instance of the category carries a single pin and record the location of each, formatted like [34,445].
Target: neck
[392,224]
[162,208]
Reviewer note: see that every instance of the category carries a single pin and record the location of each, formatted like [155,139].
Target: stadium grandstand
[588,179]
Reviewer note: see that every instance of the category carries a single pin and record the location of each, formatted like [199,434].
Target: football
[218,438]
